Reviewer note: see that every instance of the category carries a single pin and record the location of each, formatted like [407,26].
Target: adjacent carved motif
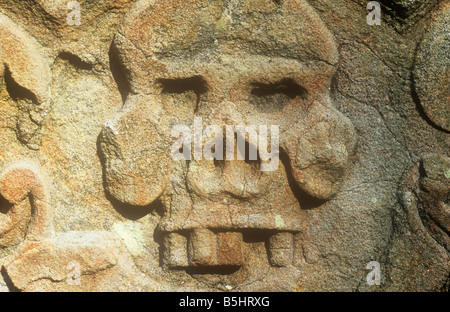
[76,261]
[27,216]
[23,63]
[42,259]
[427,189]
[432,71]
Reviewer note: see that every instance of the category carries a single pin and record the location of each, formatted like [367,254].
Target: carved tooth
[202,248]
[229,248]
[175,251]
[281,249]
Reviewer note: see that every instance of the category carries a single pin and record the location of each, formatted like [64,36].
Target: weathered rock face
[316,144]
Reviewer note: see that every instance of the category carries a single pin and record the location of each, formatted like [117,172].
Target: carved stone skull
[258,62]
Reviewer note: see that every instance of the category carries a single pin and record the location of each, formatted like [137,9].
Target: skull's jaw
[216,237]
[213,235]
[207,250]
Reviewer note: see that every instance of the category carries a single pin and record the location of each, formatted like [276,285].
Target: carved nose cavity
[235,173]
[238,179]
[243,179]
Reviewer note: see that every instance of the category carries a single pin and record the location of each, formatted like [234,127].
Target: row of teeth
[203,248]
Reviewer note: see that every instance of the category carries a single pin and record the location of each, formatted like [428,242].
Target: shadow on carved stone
[48,261]
[27,75]
[426,192]
[28,217]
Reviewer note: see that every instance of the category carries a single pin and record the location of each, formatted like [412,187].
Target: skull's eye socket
[186,91]
[274,97]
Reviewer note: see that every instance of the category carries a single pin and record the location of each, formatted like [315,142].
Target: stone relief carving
[226,79]
[426,188]
[39,259]
[26,216]
[21,59]
[433,71]
[101,205]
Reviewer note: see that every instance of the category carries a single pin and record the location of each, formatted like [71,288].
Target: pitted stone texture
[150,49]
[59,9]
[235,194]
[407,6]
[432,72]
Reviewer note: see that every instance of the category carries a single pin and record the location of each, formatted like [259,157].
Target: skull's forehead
[165,32]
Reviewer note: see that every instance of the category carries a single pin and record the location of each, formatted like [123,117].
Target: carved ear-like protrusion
[136,153]
[319,157]
[23,58]
[24,188]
